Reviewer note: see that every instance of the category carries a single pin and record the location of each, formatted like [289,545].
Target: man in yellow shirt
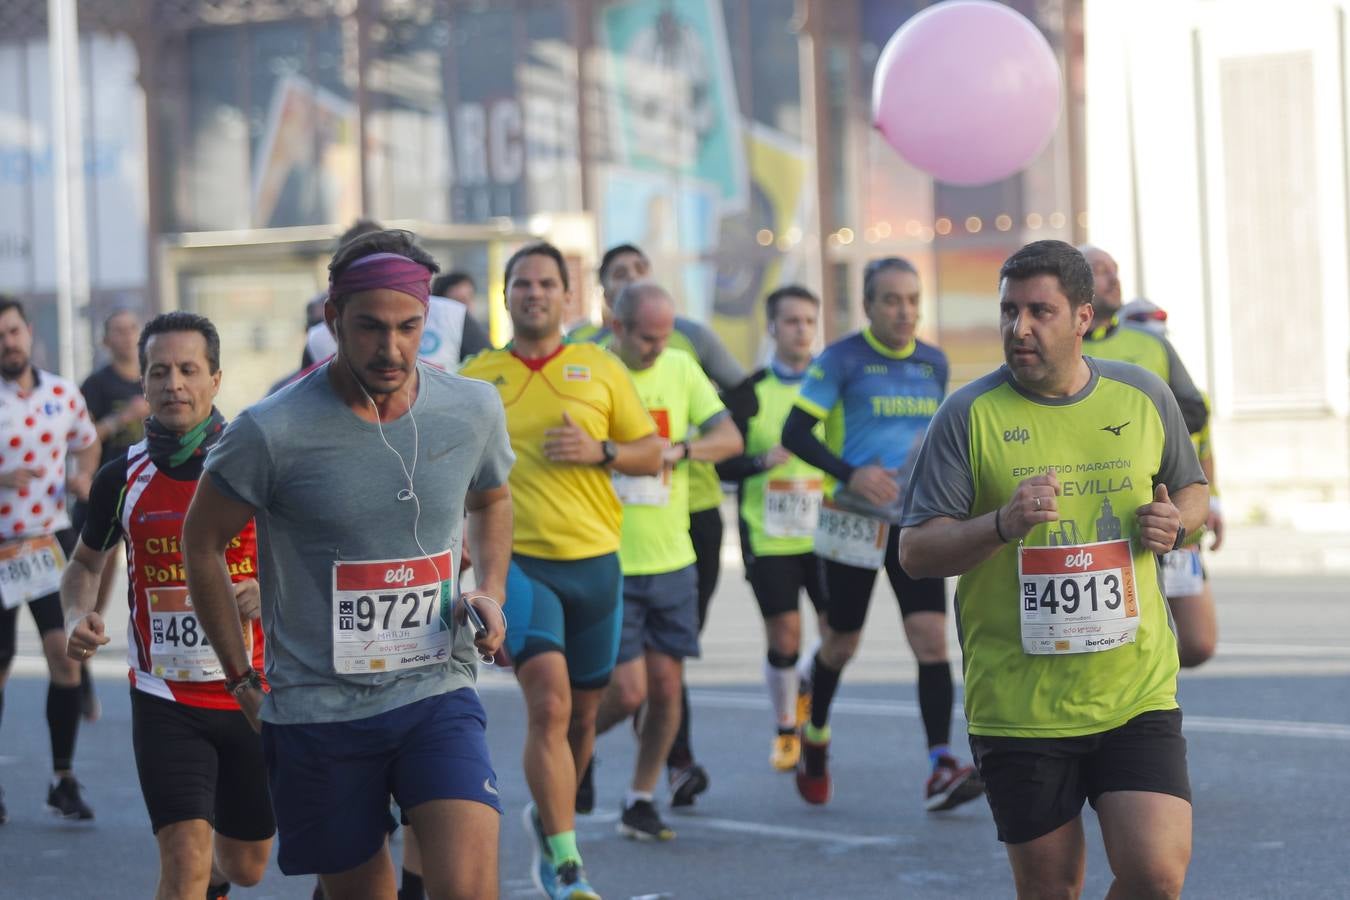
[573,416]
[660,587]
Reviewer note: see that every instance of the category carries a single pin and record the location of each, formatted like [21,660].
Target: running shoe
[64,800]
[787,748]
[4,813]
[641,821]
[687,783]
[541,864]
[951,784]
[586,790]
[813,772]
[570,884]
[218,891]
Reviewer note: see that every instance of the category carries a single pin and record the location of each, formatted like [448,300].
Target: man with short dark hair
[574,418]
[200,764]
[48,453]
[780,496]
[359,476]
[1051,486]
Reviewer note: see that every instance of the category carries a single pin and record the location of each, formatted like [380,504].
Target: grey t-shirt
[326,490]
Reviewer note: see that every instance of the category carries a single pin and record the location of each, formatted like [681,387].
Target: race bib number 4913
[391,614]
[1077,599]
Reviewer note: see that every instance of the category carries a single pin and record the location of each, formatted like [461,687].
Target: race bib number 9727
[1080,598]
[391,614]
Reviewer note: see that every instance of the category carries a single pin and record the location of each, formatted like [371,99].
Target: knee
[666,687]
[839,647]
[550,711]
[629,695]
[246,868]
[1158,880]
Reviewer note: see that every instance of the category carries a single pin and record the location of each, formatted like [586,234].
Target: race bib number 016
[30,569]
[1077,599]
[850,538]
[179,650]
[391,614]
[791,507]
[1182,575]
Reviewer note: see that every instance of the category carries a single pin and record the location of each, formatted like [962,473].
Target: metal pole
[72,249]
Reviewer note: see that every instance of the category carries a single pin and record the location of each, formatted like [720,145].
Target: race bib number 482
[391,614]
[179,650]
[1077,599]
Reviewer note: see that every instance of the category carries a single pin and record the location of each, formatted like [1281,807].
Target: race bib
[30,569]
[643,490]
[1182,574]
[791,507]
[179,650]
[391,614]
[1080,598]
[850,538]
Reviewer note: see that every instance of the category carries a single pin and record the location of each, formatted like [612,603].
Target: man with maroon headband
[359,476]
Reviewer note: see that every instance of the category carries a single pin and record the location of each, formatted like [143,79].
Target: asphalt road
[1266,721]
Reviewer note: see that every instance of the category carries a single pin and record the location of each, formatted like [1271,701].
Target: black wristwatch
[611,452]
[688,451]
[250,678]
[1181,537]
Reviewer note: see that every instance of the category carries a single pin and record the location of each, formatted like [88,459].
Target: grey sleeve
[712,354]
[942,484]
[1188,396]
[240,465]
[495,464]
[1179,466]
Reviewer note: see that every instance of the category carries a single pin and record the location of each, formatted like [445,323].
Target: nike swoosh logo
[487,786]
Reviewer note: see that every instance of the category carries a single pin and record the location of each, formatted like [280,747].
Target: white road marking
[902,709]
[694,822]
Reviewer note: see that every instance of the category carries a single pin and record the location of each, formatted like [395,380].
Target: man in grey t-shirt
[359,477]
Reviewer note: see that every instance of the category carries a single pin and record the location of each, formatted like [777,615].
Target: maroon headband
[383,270]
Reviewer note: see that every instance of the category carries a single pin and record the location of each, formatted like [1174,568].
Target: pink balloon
[968,91]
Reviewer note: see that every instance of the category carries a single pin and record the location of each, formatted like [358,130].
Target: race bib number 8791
[1077,599]
[387,614]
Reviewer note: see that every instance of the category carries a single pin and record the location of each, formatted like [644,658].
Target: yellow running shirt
[563,511]
[1112,654]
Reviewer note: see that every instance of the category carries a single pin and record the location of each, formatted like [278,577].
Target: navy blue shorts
[331,781]
[573,607]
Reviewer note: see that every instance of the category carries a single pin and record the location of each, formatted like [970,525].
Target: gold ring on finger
[1038,502]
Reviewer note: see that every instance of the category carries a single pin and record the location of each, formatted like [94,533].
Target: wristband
[998,529]
[250,678]
[688,450]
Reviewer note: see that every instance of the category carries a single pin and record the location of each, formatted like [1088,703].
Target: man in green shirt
[1051,487]
[660,582]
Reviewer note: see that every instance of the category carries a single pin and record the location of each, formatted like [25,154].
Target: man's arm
[488,533]
[1193,409]
[81,476]
[212,521]
[570,443]
[85,628]
[718,439]
[873,483]
[713,357]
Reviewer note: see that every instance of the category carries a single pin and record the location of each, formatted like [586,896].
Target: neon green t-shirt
[760,405]
[655,534]
[1109,444]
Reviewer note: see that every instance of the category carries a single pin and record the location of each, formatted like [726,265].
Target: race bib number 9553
[391,614]
[1077,599]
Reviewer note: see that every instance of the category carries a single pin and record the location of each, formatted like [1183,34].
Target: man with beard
[43,420]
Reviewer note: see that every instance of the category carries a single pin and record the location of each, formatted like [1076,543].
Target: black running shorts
[849,590]
[199,763]
[1035,785]
[778,582]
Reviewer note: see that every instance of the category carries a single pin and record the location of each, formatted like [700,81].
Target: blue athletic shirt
[876,402]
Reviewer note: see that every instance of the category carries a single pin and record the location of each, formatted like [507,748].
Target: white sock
[782,684]
[631,797]
[807,660]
